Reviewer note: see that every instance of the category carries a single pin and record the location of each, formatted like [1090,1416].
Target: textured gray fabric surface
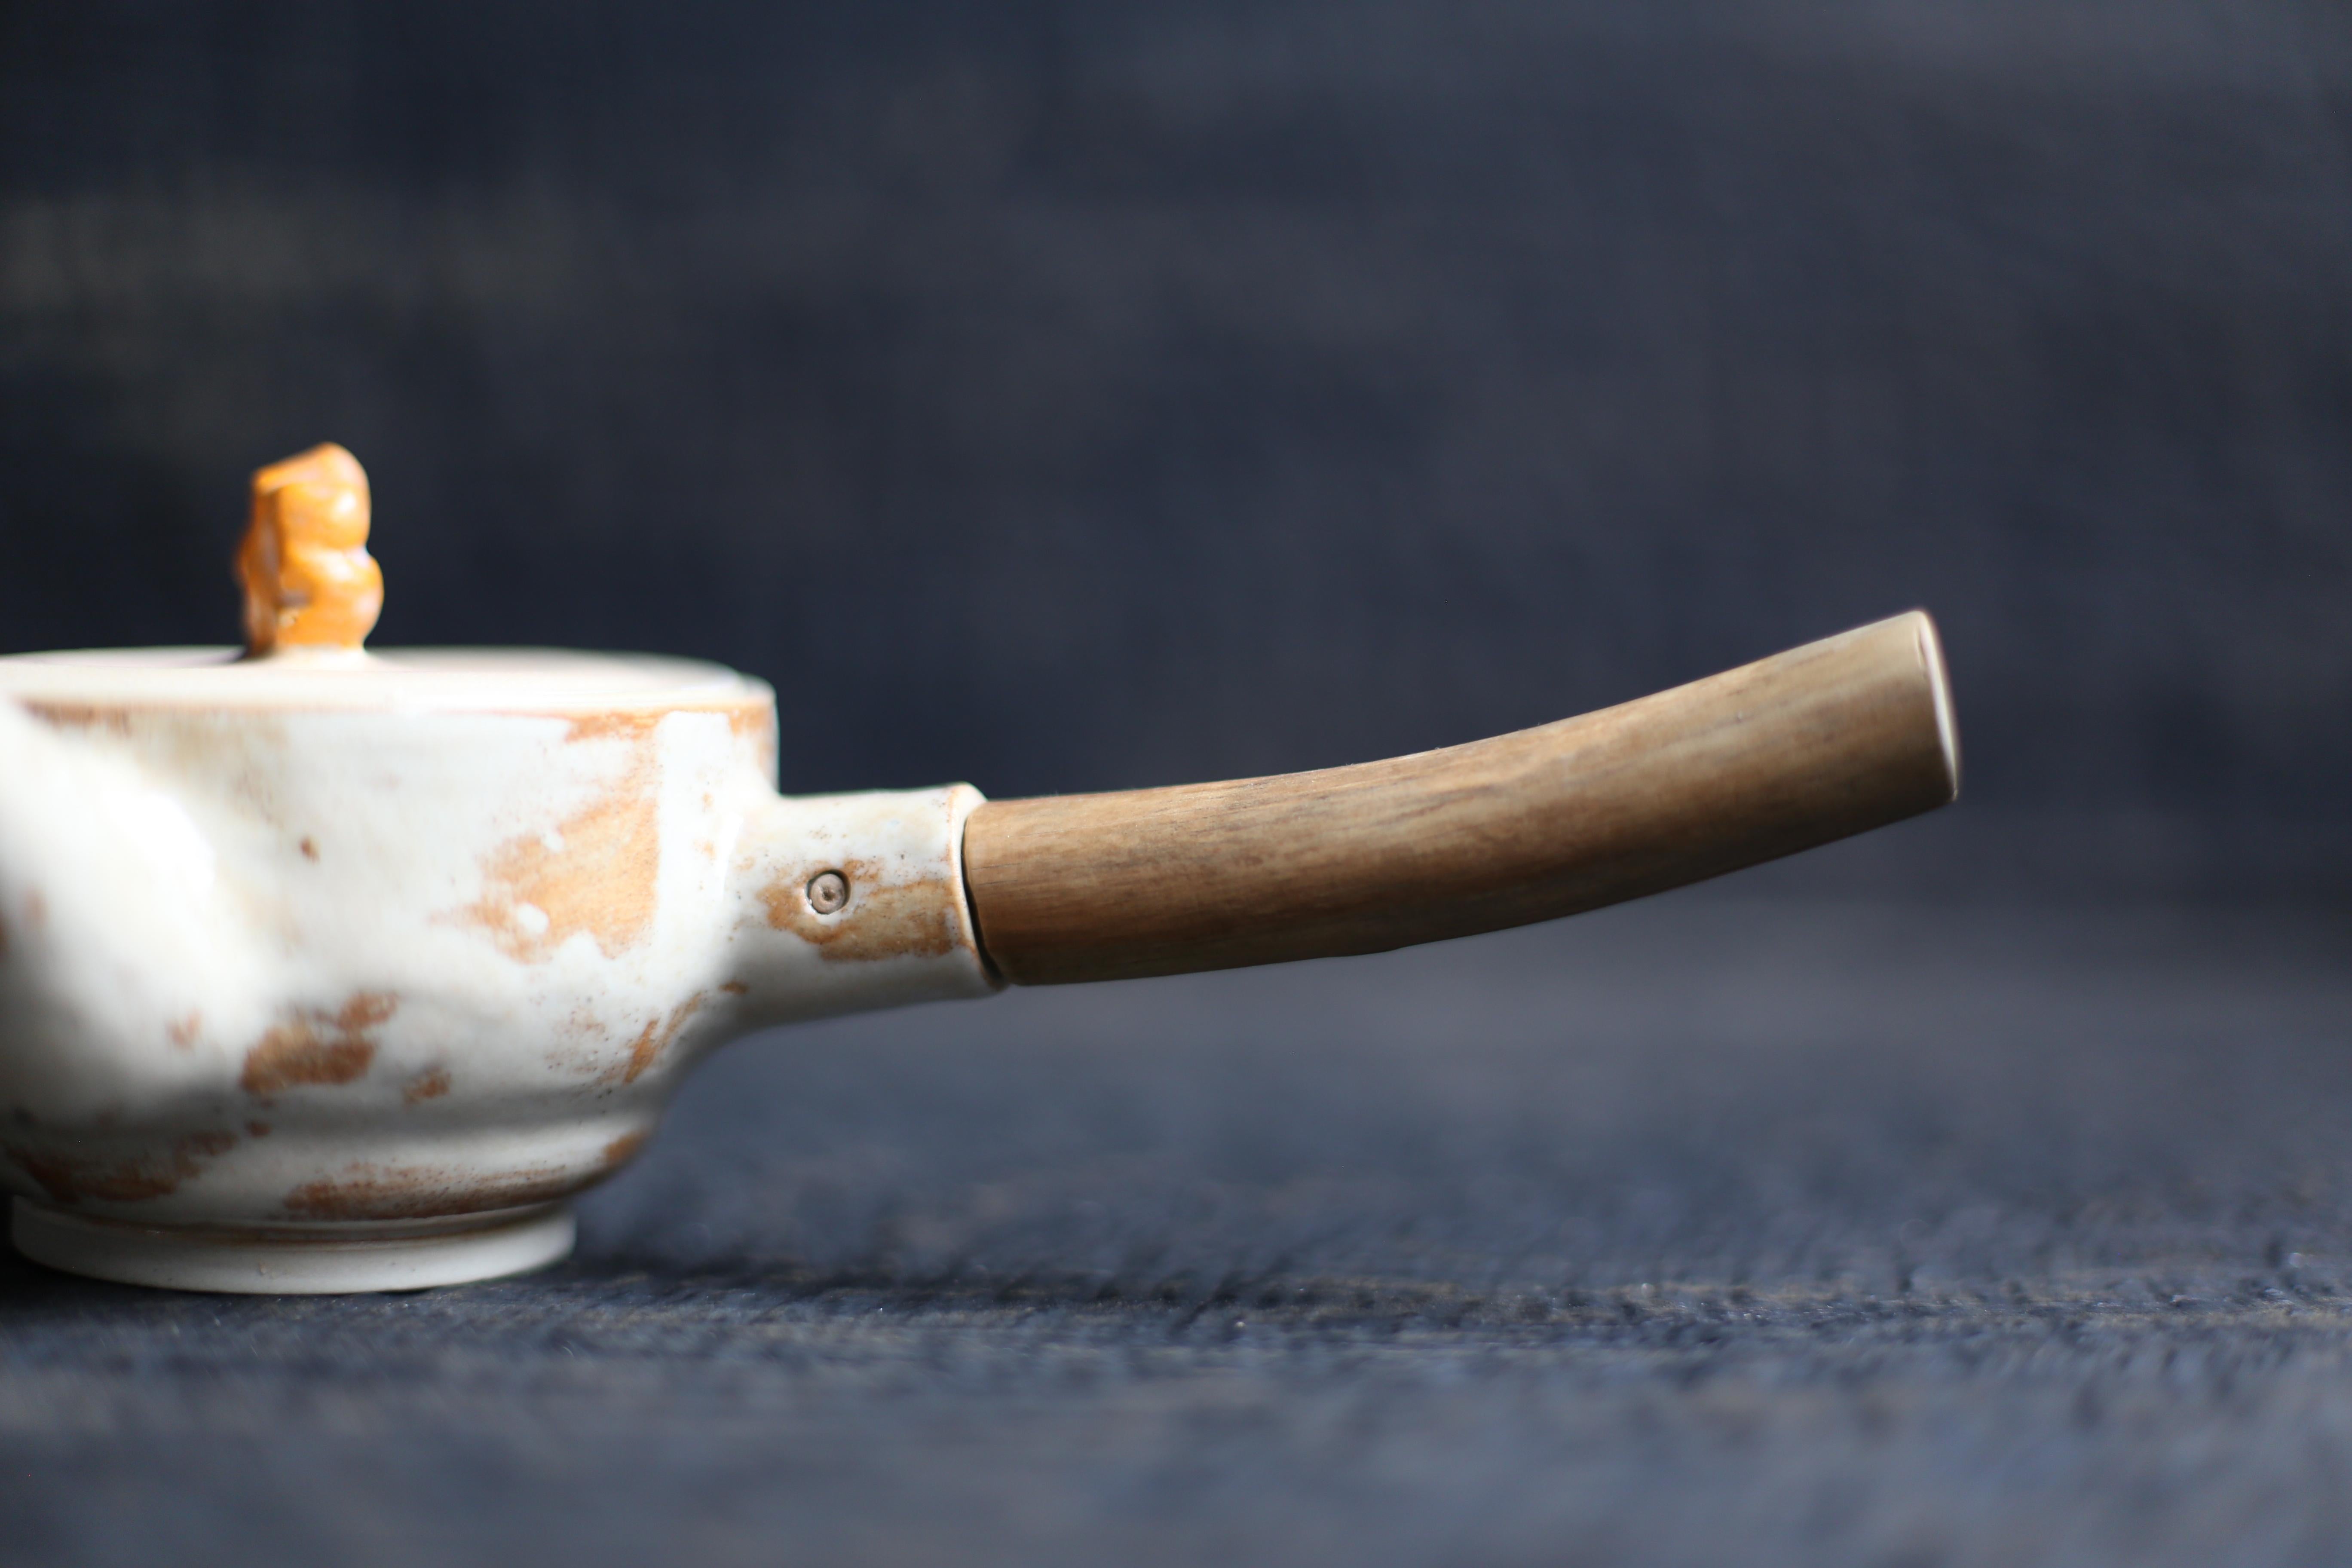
[1704,1230]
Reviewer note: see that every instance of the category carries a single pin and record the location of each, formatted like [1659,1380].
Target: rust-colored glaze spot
[69,1178]
[318,1047]
[582,1024]
[182,1032]
[80,716]
[907,919]
[735,988]
[598,878]
[257,1129]
[624,725]
[309,847]
[649,1046]
[757,721]
[624,1149]
[37,910]
[427,1191]
[430,1084]
[308,579]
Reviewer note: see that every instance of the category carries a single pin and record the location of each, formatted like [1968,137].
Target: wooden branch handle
[1827,740]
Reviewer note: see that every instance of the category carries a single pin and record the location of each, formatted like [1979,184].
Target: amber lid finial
[308,579]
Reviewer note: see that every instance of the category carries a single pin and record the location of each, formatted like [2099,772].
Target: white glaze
[294,1261]
[273,957]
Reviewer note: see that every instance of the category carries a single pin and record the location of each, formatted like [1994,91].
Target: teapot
[331,970]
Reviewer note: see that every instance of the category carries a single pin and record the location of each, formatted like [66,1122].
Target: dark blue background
[1079,396]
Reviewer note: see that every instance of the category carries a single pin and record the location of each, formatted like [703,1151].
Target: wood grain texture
[1825,740]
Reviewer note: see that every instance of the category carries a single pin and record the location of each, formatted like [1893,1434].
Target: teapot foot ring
[294,1260]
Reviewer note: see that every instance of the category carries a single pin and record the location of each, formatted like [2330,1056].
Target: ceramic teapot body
[272,963]
[415,943]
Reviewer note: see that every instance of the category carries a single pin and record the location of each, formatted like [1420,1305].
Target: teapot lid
[312,594]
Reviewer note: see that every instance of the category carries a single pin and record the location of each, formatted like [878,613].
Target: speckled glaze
[324,945]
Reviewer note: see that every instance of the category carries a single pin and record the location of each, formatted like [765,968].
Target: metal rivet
[828,892]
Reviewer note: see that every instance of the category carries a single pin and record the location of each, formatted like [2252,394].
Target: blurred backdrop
[1072,396]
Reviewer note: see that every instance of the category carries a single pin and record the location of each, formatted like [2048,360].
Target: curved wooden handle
[1827,740]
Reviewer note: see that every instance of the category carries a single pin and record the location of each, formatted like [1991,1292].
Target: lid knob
[308,579]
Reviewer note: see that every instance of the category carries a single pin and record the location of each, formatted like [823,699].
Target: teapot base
[296,1260]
